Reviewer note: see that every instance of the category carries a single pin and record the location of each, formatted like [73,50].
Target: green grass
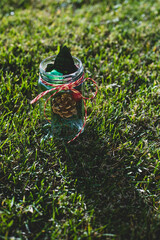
[105,184]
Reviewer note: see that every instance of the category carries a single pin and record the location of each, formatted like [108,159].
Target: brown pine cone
[64,105]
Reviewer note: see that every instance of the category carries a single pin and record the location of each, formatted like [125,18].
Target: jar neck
[60,79]
[50,78]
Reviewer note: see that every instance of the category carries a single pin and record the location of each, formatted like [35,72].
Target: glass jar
[61,115]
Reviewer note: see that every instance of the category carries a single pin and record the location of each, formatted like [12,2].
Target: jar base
[65,130]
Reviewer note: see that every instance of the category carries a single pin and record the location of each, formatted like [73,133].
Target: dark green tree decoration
[64,62]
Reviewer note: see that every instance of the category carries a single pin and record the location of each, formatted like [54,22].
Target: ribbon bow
[65,87]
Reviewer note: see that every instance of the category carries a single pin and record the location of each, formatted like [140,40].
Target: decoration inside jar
[67,106]
[64,104]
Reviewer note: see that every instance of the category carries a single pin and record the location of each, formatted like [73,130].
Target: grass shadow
[103,177]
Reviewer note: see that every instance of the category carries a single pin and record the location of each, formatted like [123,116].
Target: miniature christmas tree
[63,63]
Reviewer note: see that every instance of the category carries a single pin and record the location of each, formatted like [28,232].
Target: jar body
[64,111]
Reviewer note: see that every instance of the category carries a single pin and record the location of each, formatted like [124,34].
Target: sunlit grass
[105,184]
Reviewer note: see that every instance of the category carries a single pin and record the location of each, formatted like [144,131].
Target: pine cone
[64,105]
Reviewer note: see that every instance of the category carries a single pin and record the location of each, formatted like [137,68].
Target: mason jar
[61,110]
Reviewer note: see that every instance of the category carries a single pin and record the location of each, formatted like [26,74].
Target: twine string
[65,87]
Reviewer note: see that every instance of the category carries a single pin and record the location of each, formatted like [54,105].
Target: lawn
[106,183]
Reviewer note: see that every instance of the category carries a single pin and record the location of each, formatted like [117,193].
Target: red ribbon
[65,87]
